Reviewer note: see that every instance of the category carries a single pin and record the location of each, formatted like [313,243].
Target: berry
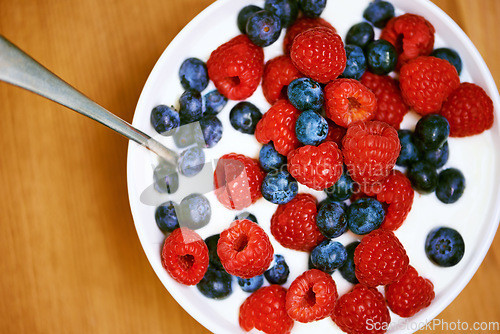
[305,94]
[191,107]
[279,72]
[423,177]
[426,82]
[360,34]
[243,16]
[166,179]
[381,57]
[195,211]
[244,117]
[244,249]
[278,273]
[335,133]
[216,284]
[347,270]
[379,13]
[365,215]
[193,74]
[469,110]
[236,68]
[214,102]
[444,246]
[331,218]
[302,24]
[438,157]
[263,28]
[166,216]
[312,8]
[380,259]
[211,127]
[432,131]
[410,294]
[450,186]
[311,296]
[185,256]
[213,257]
[342,189]
[319,53]
[328,256]
[348,101]
[270,159]
[165,119]
[286,10]
[191,161]
[265,310]
[397,196]
[293,224]
[189,134]
[410,152]
[450,55]
[279,187]
[311,128]
[246,215]
[356,62]
[251,284]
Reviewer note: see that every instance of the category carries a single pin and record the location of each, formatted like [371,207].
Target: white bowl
[476,215]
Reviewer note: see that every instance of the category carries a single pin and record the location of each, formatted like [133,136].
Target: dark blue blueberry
[269,158]
[312,8]
[409,150]
[263,28]
[166,216]
[165,119]
[279,187]
[444,246]
[365,215]
[450,55]
[379,13]
[213,257]
[214,103]
[193,74]
[437,157]
[451,185]
[311,128]
[347,269]
[328,256]
[305,94]
[191,106]
[331,218]
[432,131]
[195,211]
[244,117]
[243,16]
[216,284]
[166,179]
[342,189]
[356,62]
[212,130]
[251,284]
[423,177]
[286,10]
[191,161]
[381,57]
[246,215]
[360,34]
[279,271]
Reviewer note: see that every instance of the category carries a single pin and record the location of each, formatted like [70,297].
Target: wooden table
[71,261]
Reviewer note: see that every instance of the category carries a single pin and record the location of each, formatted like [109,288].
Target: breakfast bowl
[476,215]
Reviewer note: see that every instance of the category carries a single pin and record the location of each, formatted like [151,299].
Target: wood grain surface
[70,259]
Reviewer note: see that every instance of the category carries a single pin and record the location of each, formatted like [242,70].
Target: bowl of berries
[337,165]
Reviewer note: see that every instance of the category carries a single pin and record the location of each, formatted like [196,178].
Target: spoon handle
[18,68]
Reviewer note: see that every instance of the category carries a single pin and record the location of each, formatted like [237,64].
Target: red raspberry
[319,53]
[409,294]
[237,181]
[362,311]
[469,110]
[412,36]
[426,82]
[300,25]
[236,68]
[317,167]
[185,256]
[398,193]
[348,101]
[391,107]
[244,249]
[278,125]
[278,73]
[311,296]
[370,151]
[335,133]
[293,224]
[265,310]
[380,259]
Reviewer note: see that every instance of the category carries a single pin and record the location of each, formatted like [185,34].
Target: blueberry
[331,218]
[450,55]
[213,257]
[211,128]
[193,74]
[279,271]
[451,185]
[444,246]
[251,284]
[191,161]
[381,57]
[165,119]
[312,8]
[243,16]
[214,102]
[347,269]
[423,177]
[379,13]
[437,157]
[269,158]
[356,62]
[244,117]
[191,106]
[328,256]
[410,152]
[342,189]
[432,131]
[365,215]
[311,128]
[189,134]
[166,216]
[286,10]
[166,179]
[195,211]
[216,284]
[305,94]
[263,28]
[279,187]
[246,215]
[360,34]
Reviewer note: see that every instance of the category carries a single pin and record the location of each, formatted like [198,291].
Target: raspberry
[317,167]
[398,193]
[391,107]
[359,310]
[237,181]
[426,82]
[278,125]
[278,73]
[380,259]
[469,110]
[409,294]
[412,36]
[370,150]
[300,25]
[319,53]
[335,133]
[236,68]
[244,249]
[293,224]
[185,256]
[347,101]
[265,310]
[311,296]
